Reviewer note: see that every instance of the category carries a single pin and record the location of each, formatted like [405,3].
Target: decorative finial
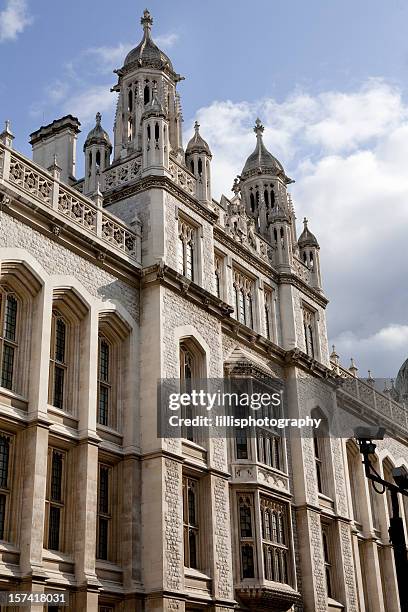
[98,118]
[259,128]
[8,126]
[353,369]
[305,222]
[146,21]
[196,127]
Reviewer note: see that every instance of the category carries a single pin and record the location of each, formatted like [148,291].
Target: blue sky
[329,80]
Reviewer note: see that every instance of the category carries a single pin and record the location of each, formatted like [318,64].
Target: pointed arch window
[104,382]
[156,132]
[218,274]
[130,100]
[252,201]
[59,367]
[200,166]
[9,320]
[309,323]
[146,94]
[190,369]
[191,522]
[269,311]
[186,249]
[243,290]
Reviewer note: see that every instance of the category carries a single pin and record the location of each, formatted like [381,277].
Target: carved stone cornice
[291,279]
[160,182]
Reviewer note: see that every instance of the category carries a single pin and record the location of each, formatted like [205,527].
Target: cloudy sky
[328,79]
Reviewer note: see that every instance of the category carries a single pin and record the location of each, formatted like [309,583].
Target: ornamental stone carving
[239,225]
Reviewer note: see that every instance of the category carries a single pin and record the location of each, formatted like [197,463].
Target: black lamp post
[396,528]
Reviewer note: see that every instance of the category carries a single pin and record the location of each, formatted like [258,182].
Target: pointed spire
[334,356]
[7,136]
[370,379]
[98,118]
[55,169]
[353,369]
[197,128]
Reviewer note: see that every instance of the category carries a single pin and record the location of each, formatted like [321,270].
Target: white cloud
[167,41]
[348,153]
[14,19]
[87,102]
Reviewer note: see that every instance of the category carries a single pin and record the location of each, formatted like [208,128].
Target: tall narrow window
[4,481]
[146,94]
[308,329]
[58,362]
[274,540]
[186,249]
[190,520]
[318,463]
[322,453]
[55,499]
[8,337]
[218,275]
[269,448]
[327,555]
[188,371]
[243,287]
[104,515]
[268,309]
[246,535]
[104,382]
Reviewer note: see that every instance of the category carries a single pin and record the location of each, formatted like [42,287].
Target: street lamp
[365,437]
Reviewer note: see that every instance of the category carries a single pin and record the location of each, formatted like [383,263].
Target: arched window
[309,332]
[130,101]
[104,382]
[186,249]
[252,201]
[243,287]
[266,198]
[272,198]
[130,129]
[156,132]
[148,133]
[146,94]
[59,360]
[8,336]
[98,159]
[200,166]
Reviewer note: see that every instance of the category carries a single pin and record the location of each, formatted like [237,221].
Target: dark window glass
[10,318]
[245,521]
[2,515]
[103,538]
[247,556]
[59,375]
[54,528]
[60,335]
[56,477]
[241,444]
[103,406]
[4,461]
[7,367]
[104,490]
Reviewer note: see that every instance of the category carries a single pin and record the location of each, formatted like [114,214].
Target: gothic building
[135,273]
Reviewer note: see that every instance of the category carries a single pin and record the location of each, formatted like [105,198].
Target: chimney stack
[57,139]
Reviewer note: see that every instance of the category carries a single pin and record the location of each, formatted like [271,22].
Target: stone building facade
[134,274]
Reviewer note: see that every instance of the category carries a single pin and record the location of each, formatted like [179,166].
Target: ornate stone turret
[97,149]
[146,70]
[198,158]
[155,137]
[309,253]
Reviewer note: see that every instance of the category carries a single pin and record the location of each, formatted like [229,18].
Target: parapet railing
[46,189]
[381,403]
